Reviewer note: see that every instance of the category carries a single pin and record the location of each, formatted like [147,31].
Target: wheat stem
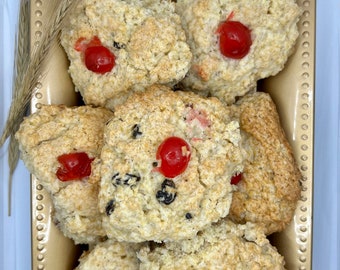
[27,73]
[20,64]
[33,72]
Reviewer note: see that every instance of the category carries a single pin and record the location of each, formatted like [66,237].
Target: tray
[293,92]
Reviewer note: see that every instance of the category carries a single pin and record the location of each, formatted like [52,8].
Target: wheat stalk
[31,76]
[20,64]
[28,70]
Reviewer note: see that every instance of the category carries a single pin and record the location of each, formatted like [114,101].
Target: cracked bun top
[167,161]
[52,141]
[119,47]
[224,245]
[262,35]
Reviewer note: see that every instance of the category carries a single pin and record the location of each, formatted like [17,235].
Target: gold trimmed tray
[293,92]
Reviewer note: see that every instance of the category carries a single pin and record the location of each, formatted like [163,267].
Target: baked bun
[270,186]
[267,31]
[75,134]
[143,196]
[144,40]
[110,255]
[224,245]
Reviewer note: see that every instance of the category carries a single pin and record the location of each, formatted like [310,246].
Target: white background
[15,235]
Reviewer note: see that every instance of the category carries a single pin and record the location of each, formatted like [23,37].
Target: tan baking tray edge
[293,92]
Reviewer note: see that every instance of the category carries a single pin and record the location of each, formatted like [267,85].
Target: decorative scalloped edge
[306,122]
[38,207]
[304,150]
[39,221]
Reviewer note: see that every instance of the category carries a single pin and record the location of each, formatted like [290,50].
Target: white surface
[15,236]
[327,137]
[15,230]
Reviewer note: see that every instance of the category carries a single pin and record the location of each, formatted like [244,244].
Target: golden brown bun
[270,188]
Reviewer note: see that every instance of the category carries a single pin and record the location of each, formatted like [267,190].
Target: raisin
[165,197]
[169,183]
[118,45]
[188,216]
[136,131]
[110,207]
[116,180]
[168,192]
[129,179]
[155,164]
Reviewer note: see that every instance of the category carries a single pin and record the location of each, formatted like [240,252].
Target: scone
[269,188]
[61,147]
[75,212]
[167,161]
[236,43]
[110,255]
[118,47]
[222,246]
